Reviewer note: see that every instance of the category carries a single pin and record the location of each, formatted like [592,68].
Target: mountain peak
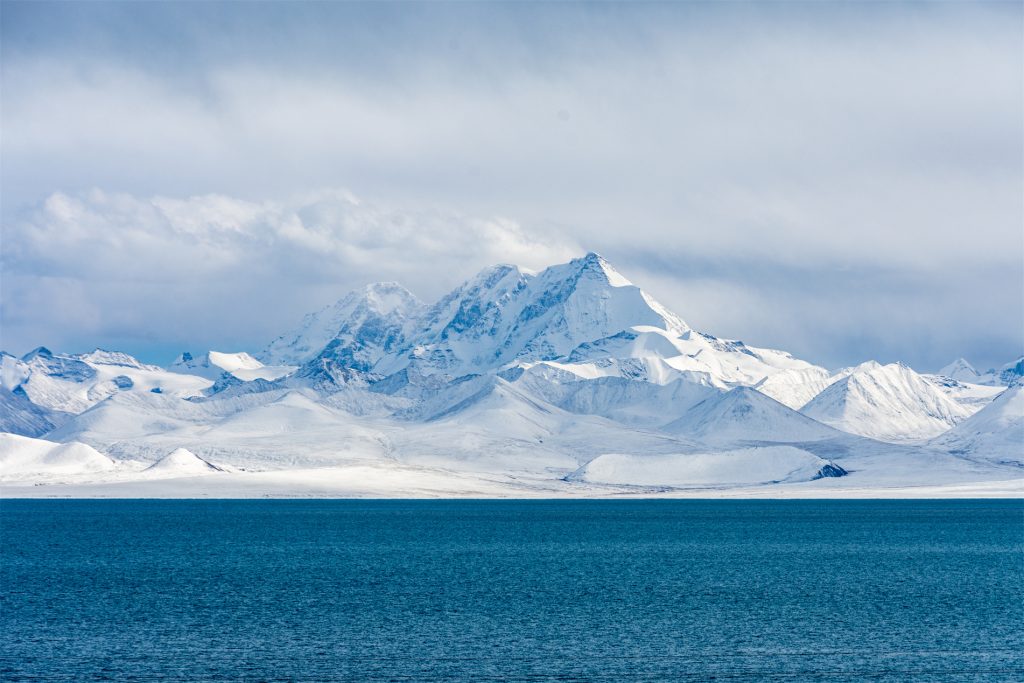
[103,357]
[885,402]
[182,462]
[214,364]
[386,297]
[382,308]
[501,314]
[40,351]
[1012,372]
[745,414]
[488,278]
[599,265]
[961,370]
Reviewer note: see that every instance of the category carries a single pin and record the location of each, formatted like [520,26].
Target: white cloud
[213,269]
[814,161]
[884,146]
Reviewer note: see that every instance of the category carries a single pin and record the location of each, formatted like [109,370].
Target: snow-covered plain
[565,383]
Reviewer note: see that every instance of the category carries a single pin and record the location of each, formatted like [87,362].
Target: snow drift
[181,462]
[23,457]
[749,466]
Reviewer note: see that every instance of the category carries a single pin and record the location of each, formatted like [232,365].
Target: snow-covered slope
[55,382]
[973,397]
[582,319]
[359,329]
[1004,376]
[994,433]
[745,414]
[795,387]
[73,383]
[181,462]
[886,402]
[637,392]
[23,457]
[1012,372]
[749,466]
[241,365]
[505,314]
[583,312]
[19,415]
[961,371]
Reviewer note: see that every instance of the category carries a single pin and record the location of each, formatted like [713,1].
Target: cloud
[118,270]
[803,138]
[158,275]
[843,180]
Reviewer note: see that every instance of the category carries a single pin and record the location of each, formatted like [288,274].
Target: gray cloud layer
[841,181]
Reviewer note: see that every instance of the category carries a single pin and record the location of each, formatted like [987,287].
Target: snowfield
[746,467]
[564,383]
[25,458]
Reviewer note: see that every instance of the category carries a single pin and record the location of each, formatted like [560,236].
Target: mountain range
[567,381]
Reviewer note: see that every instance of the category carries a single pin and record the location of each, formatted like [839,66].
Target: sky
[842,181]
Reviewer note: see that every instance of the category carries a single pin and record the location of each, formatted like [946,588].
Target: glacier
[570,381]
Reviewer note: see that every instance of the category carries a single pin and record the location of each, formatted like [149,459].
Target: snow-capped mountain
[241,365]
[1004,376]
[507,315]
[961,370]
[994,433]
[744,414]
[181,462]
[1012,372]
[571,379]
[886,402]
[584,315]
[795,387]
[358,330]
[502,315]
[73,383]
[973,397]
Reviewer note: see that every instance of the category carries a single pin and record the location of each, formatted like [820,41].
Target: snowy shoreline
[341,484]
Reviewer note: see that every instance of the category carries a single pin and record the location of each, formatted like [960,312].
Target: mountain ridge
[516,376]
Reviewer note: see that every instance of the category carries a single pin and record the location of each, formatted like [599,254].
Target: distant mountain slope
[994,433]
[1005,375]
[642,392]
[18,415]
[973,397]
[795,387]
[960,370]
[240,365]
[886,402]
[745,414]
[1012,372]
[73,383]
[359,329]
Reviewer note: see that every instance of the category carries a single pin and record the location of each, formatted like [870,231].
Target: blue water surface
[511,590]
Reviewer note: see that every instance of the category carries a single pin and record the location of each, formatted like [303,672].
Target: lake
[656,590]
